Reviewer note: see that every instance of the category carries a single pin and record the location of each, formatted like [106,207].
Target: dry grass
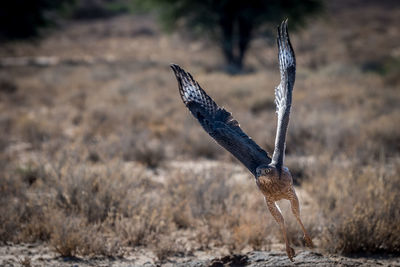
[361,208]
[88,149]
[88,210]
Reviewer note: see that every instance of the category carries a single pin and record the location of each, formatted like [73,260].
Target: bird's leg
[279,219]
[294,202]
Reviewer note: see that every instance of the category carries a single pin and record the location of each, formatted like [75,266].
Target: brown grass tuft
[361,206]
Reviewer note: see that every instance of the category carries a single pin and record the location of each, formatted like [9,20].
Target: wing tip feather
[175,67]
[179,72]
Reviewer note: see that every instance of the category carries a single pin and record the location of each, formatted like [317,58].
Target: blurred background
[98,155]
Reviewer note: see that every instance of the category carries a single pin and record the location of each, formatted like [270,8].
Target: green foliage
[23,18]
[205,15]
[232,23]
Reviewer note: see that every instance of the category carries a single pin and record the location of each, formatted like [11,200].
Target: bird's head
[272,172]
[266,170]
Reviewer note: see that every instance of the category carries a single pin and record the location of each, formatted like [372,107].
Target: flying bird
[272,177]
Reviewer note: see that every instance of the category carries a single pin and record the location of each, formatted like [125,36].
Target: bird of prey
[272,177]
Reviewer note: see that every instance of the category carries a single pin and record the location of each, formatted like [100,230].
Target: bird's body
[272,177]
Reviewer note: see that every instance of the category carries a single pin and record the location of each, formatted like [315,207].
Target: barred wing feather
[283,92]
[218,122]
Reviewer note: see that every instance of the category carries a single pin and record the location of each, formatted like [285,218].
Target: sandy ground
[40,255]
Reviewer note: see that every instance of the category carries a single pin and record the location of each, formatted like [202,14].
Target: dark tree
[23,18]
[233,23]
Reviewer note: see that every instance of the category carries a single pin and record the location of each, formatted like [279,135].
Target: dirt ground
[39,255]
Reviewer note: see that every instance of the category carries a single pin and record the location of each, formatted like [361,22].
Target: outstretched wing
[218,122]
[283,93]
